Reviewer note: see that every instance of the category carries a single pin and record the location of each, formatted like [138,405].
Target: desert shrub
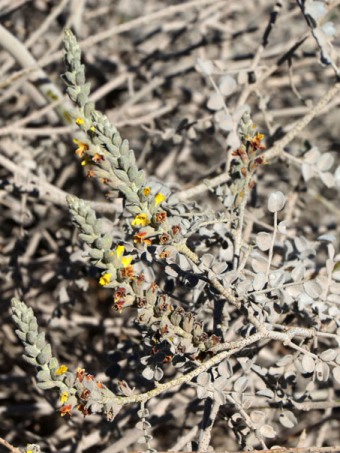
[224,295]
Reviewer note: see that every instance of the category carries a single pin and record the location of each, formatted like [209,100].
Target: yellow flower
[146,191]
[61,370]
[105,279]
[64,397]
[86,161]
[159,198]
[80,121]
[126,261]
[82,147]
[120,250]
[140,220]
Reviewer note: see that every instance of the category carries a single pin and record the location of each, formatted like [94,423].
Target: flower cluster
[247,158]
[78,390]
[116,265]
[248,151]
[87,395]
[102,149]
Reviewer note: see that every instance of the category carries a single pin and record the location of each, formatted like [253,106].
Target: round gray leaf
[288,419]
[263,241]
[215,102]
[276,201]
[308,364]
[148,373]
[267,431]
[227,85]
[204,66]
[328,356]
[241,384]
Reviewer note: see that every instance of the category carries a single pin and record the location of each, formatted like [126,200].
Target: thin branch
[50,192]
[9,446]
[278,149]
[183,379]
[285,337]
[130,25]
[209,417]
[146,19]
[23,57]
[36,114]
